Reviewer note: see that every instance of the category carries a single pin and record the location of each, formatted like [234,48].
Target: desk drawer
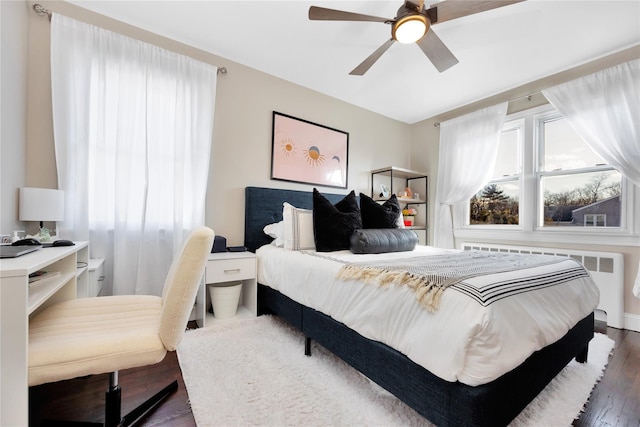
[228,270]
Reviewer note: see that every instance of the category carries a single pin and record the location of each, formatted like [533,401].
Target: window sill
[610,238]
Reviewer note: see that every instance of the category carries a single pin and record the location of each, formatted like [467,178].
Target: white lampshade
[41,204]
[410,28]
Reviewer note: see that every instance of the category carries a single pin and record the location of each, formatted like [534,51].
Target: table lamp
[41,204]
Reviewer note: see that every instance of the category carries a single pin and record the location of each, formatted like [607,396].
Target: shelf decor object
[308,153]
[406,194]
[408,216]
[41,204]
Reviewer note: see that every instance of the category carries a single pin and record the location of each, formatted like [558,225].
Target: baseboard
[632,322]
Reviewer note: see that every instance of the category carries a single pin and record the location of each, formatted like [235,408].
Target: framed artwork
[308,153]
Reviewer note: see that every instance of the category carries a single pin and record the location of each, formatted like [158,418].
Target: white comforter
[462,340]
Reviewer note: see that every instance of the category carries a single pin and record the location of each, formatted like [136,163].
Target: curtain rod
[43,11]
[527,97]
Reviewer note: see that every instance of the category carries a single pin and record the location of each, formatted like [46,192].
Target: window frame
[539,121]
[591,220]
[517,124]
[528,230]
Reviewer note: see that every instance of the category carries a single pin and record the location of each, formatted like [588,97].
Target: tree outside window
[492,206]
[498,201]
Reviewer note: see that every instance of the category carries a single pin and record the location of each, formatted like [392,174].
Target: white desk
[18,301]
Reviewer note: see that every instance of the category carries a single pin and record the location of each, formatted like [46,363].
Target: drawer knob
[233,270]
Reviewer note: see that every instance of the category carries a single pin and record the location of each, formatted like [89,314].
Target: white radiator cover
[606,269]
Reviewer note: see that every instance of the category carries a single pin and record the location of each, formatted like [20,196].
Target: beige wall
[13,133]
[425,142]
[242,140]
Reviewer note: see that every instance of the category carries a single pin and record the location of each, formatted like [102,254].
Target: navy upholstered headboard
[263,206]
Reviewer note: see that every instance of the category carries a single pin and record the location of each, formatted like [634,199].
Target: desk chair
[106,334]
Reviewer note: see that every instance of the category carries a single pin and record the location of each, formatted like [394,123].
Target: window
[578,188]
[132,127]
[499,200]
[597,220]
[545,170]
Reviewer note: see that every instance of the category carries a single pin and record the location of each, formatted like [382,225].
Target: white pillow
[298,228]
[275,230]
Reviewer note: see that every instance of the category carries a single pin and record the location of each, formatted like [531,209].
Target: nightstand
[228,267]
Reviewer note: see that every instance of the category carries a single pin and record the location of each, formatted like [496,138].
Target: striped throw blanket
[430,276]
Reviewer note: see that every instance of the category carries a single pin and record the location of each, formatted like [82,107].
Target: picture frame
[308,153]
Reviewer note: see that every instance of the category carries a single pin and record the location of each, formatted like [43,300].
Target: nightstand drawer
[230,269]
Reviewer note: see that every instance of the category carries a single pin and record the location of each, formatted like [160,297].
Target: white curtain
[604,109]
[133,127]
[468,151]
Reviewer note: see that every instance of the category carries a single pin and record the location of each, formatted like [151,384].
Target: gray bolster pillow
[381,240]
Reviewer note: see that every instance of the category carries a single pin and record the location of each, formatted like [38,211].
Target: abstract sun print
[309,153]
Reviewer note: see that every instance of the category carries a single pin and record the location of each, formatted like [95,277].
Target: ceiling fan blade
[436,51]
[367,63]
[452,9]
[323,14]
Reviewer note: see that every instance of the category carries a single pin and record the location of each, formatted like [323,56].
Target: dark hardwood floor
[614,402]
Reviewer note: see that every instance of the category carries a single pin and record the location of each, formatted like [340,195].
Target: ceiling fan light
[409,29]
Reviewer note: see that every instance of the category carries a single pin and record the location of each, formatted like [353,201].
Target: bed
[443,402]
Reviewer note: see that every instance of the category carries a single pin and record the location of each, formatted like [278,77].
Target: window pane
[507,160]
[564,149]
[496,204]
[586,199]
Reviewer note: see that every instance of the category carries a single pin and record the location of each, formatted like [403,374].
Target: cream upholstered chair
[107,334]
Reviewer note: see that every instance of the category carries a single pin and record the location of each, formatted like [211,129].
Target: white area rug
[254,372]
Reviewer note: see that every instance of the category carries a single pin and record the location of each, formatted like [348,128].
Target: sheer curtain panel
[468,150]
[132,126]
[604,109]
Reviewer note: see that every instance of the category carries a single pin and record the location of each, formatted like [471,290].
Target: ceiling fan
[413,24]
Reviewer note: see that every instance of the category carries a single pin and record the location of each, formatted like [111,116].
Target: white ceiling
[498,50]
